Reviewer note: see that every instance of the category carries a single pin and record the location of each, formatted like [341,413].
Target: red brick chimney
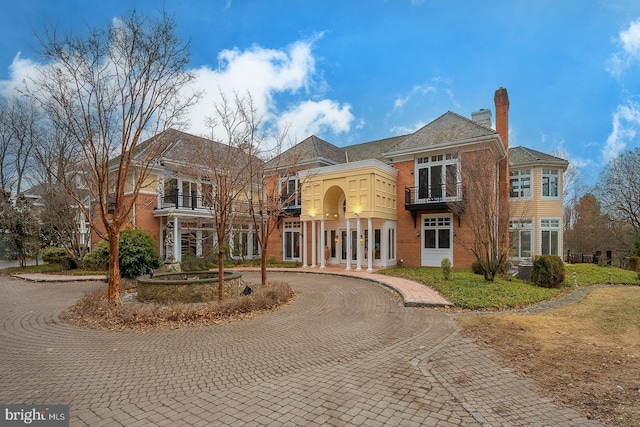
[501,101]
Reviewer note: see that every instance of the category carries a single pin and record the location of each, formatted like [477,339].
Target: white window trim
[558,229]
[531,226]
[542,175]
[426,161]
[531,189]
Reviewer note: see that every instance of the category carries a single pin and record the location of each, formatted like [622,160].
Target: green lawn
[591,274]
[53,269]
[468,290]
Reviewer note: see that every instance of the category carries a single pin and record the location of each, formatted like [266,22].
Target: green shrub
[271,259]
[548,271]
[137,253]
[476,268]
[633,263]
[445,264]
[60,256]
[98,258]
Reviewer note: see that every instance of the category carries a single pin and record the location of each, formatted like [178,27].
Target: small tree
[109,90]
[20,225]
[488,241]
[225,167]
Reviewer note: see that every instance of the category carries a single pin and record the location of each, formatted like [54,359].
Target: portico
[348,215]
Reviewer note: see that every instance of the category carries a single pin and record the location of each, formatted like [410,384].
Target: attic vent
[482,117]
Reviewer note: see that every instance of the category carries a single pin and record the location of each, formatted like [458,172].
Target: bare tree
[226,169]
[7,167]
[590,230]
[109,90]
[618,189]
[488,240]
[20,133]
[268,192]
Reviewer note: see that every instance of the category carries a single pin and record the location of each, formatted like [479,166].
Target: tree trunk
[114,269]
[220,273]
[263,266]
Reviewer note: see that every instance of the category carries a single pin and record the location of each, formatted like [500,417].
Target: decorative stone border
[189,287]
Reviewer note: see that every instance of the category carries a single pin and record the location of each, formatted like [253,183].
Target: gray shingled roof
[448,128]
[309,150]
[373,149]
[522,156]
[180,147]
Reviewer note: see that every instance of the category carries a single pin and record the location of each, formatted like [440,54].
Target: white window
[521,234]
[438,177]
[550,182]
[437,233]
[392,244]
[291,241]
[520,183]
[550,236]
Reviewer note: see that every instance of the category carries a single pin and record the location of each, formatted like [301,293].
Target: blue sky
[356,71]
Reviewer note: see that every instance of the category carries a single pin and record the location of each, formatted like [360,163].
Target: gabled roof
[178,147]
[445,130]
[311,150]
[373,149]
[523,156]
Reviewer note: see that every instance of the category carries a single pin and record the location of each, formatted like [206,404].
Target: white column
[359,245]
[348,244]
[177,242]
[313,244]
[322,244]
[304,243]
[369,245]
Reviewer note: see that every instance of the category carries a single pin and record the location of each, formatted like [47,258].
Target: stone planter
[188,287]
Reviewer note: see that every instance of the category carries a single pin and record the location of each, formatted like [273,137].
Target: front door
[437,239]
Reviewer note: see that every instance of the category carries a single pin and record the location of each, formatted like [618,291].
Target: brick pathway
[343,352]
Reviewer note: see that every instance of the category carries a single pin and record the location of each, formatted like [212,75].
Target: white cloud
[404,130]
[629,41]
[417,90]
[272,76]
[268,74]
[626,124]
[20,70]
[314,117]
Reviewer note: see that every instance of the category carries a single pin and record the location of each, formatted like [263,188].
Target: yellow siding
[368,191]
[538,207]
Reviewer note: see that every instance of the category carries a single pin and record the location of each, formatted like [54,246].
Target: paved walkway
[343,352]
[413,294]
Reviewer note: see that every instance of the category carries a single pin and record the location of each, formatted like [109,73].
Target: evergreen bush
[548,271]
[446,268]
[52,255]
[476,268]
[137,250]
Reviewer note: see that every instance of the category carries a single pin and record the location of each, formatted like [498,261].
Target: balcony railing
[423,197]
[179,200]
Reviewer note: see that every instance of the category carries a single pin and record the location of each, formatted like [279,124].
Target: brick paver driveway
[344,352]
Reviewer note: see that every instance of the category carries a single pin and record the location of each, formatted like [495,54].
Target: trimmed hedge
[548,271]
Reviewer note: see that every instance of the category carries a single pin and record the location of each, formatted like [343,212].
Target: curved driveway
[343,352]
